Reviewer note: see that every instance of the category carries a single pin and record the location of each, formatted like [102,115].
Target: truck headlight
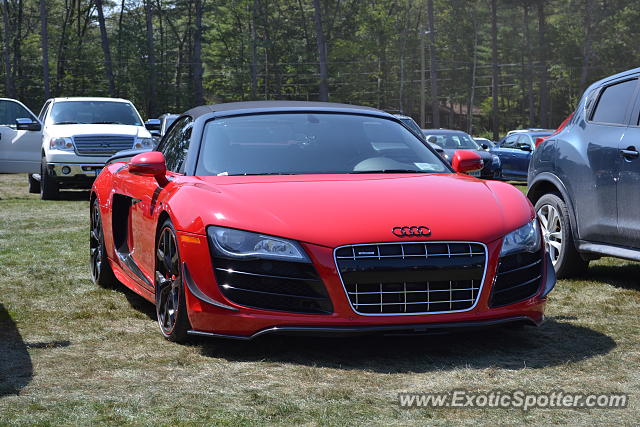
[143,143]
[232,243]
[65,144]
[525,239]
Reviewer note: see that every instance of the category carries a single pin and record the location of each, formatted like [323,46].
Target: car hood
[333,210]
[97,129]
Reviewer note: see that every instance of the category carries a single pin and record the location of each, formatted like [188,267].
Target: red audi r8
[297,217]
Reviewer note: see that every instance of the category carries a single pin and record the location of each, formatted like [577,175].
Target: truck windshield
[94,112]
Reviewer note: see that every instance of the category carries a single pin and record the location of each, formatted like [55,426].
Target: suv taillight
[557,131]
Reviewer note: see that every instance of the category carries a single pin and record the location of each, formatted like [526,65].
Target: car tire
[171,307]
[34,184]
[49,189]
[553,216]
[101,272]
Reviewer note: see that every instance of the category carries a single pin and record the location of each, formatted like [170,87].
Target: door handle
[630,153]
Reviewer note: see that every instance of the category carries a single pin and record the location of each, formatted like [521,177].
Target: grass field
[72,353]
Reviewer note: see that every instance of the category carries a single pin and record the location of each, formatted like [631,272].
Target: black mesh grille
[272,285]
[518,278]
[412,278]
[101,145]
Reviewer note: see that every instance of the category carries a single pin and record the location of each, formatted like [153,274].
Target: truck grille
[101,145]
[518,278]
[412,278]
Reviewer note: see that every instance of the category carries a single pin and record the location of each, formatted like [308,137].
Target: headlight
[525,239]
[243,244]
[495,160]
[142,143]
[65,144]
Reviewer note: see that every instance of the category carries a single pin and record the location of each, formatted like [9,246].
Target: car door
[593,179]
[19,149]
[145,193]
[506,152]
[629,182]
[522,156]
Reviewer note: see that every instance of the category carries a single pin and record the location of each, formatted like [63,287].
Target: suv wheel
[553,215]
[48,186]
[34,185]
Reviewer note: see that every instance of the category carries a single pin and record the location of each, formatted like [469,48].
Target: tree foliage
[165,57]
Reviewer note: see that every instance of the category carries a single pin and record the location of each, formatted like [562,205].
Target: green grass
[72,353]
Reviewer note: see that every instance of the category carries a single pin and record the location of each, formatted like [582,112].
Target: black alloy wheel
[101,272]
[170,300]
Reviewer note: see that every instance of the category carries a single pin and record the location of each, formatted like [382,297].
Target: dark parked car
[515,151]
[452,140]
[584,181]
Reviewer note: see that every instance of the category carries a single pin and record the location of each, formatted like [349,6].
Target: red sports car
[298,217]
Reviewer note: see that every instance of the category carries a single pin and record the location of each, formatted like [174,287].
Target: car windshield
[94,112]
[318,143]
[452,141]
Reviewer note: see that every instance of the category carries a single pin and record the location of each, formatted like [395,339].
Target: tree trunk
[153,81]
[403,49]
[544,75]
[62,47]
[17,52]
[44,43]
[9,85]
[253,67]
[197,55]
[423,83]
[322,52]
[532,111]
[433,68]
[104,37]
[121,66]
[474,66]
[494,69]
[587,48]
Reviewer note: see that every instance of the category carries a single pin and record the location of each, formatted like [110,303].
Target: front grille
[412,278]
[518,278]
[101,145]
[272,285]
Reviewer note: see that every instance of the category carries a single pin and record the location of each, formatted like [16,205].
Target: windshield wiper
[107,123]
[66,123]
[391,171]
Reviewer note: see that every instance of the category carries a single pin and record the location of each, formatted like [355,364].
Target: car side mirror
[485,147]
[152,125]
[28,124]
[524,147]
[466,161]
[151,163]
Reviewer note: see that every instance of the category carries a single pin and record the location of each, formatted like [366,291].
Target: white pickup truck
[67,145]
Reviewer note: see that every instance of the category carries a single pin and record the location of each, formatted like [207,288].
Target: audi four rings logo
[412,231]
